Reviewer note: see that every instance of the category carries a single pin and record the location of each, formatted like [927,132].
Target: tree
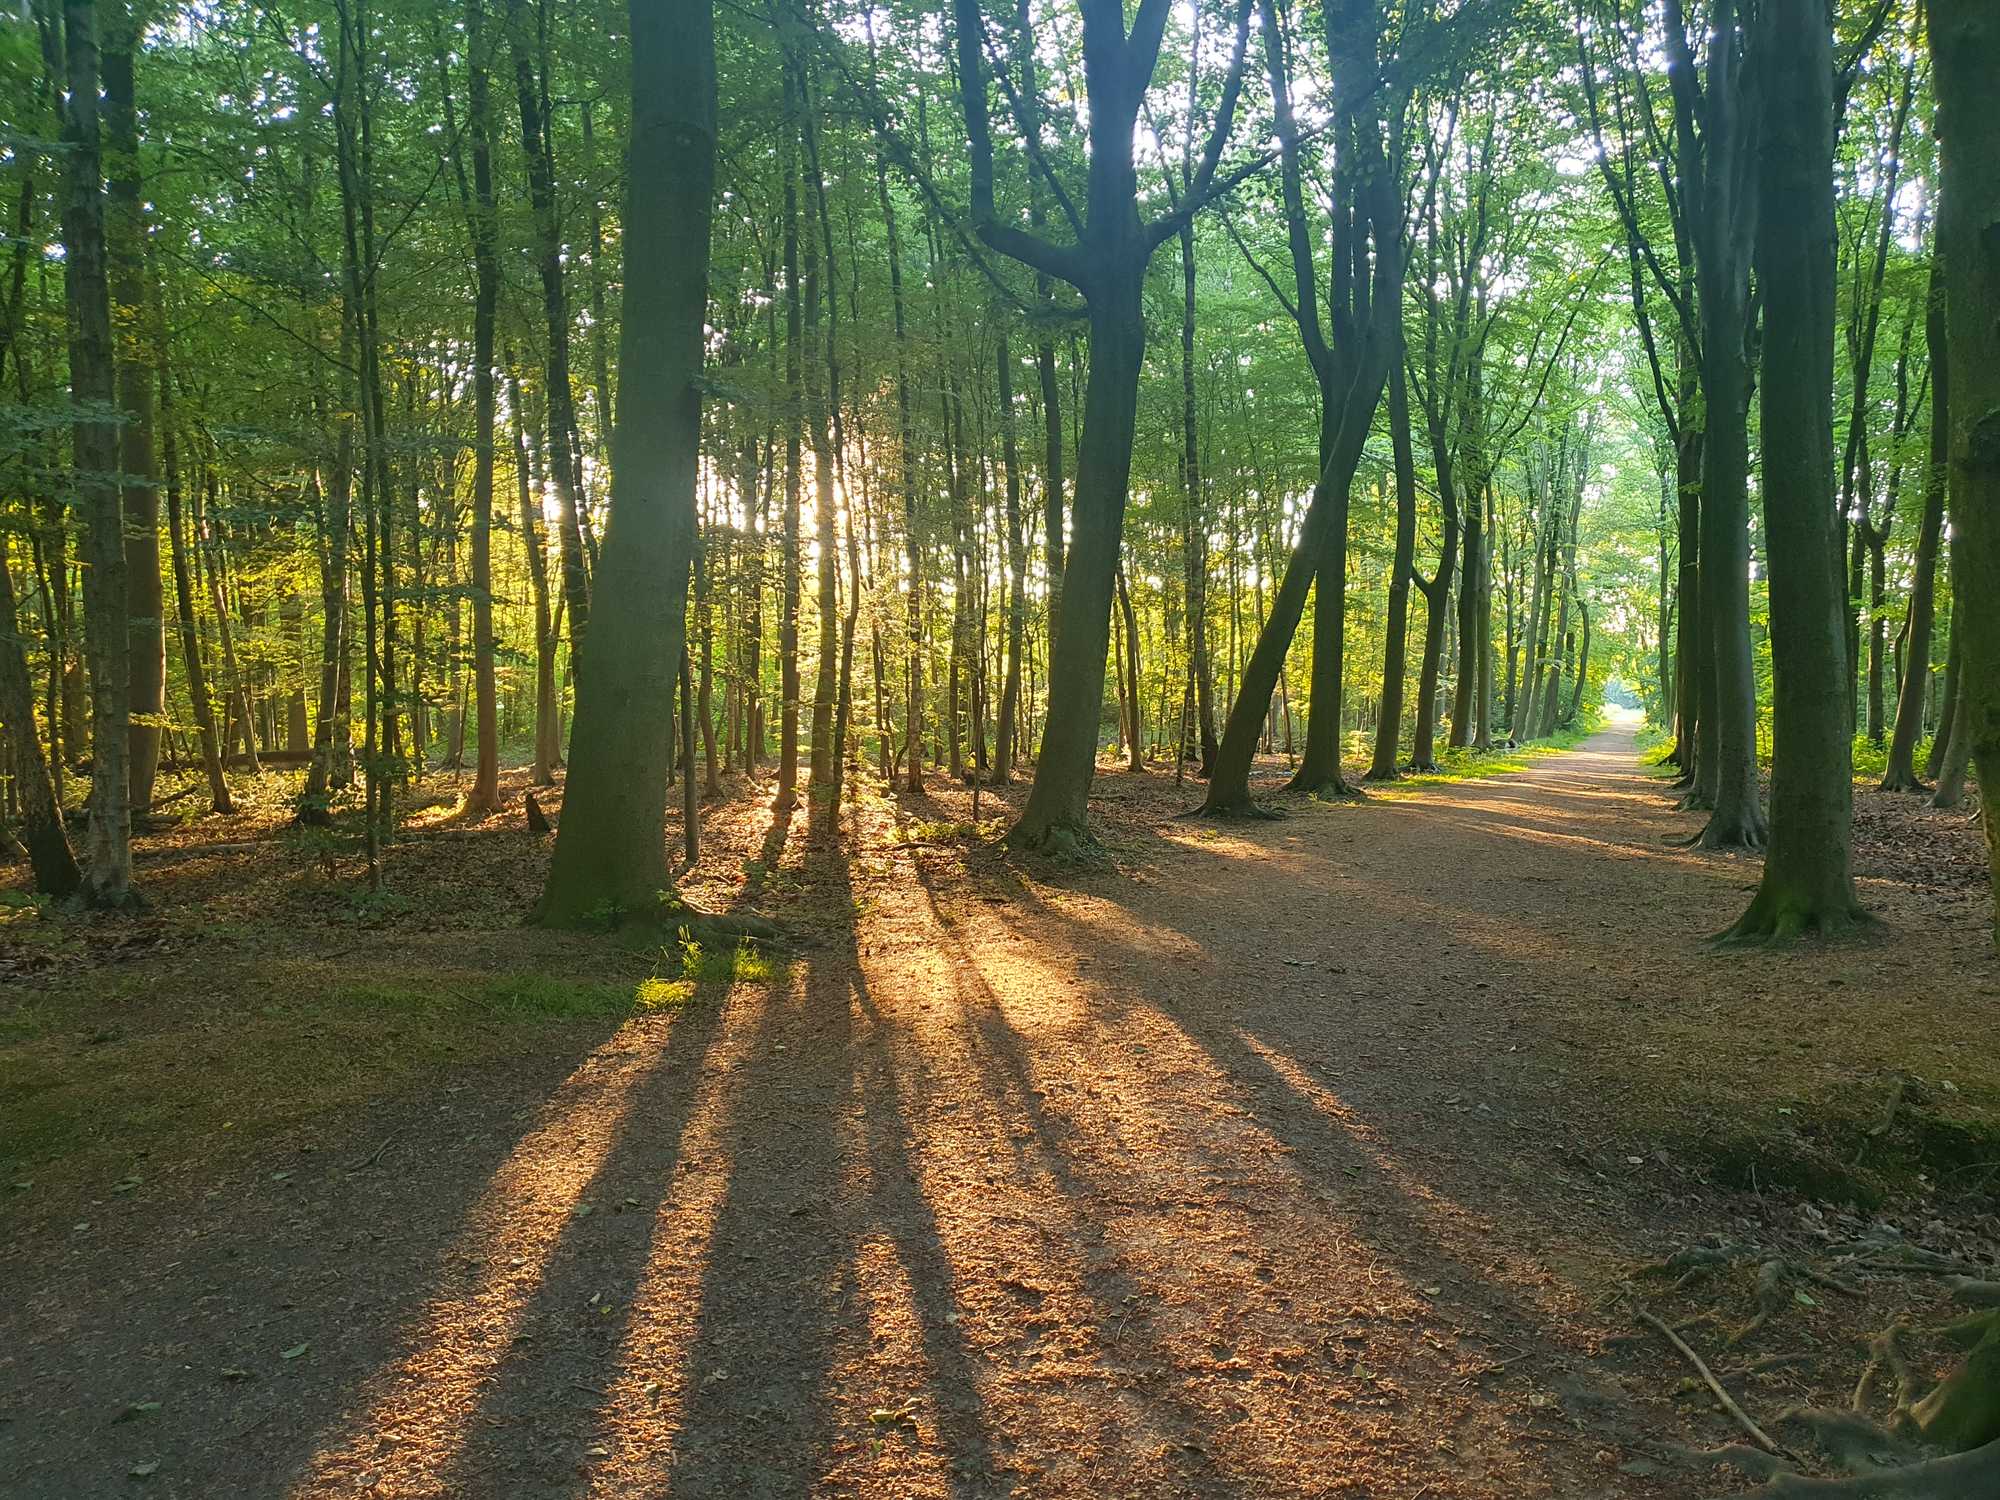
[107,880]
[611,852]
[1351,368]
[1808,882]
[1965,58]
[1106,261]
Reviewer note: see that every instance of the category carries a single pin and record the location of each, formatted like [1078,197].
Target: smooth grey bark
[1808,881]
[611,852]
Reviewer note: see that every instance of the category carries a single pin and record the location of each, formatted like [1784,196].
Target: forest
[686,482]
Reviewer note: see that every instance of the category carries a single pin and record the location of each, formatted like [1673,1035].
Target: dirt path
[1290,1158]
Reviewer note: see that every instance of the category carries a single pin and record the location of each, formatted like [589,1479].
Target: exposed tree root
[1056,840]
[1245,810]
[1958,1476]
[1746,830]
[1329,789]
[1770,1300]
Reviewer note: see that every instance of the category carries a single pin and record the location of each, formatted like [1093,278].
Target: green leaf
[1802,1297]
[293,1353]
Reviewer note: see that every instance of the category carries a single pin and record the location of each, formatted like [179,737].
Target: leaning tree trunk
[1965,54]
[1900,775]
[93,389]
[1808,882]
[49,853]
[611,851]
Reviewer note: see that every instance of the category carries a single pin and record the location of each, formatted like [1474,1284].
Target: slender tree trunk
[1900,775]
[1948,697]
[1808,879]
[56,872]
[788,619]
[1395,642]
[822,380]
[1194,524]
[1017,569]
[611,846]
[204,711]
[560,458]
[485,795]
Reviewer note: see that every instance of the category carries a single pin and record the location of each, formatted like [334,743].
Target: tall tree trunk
[95,451]
[822,371]
[561,460]
[1965,55]
[1194,523]
[1395,642]
[1017,569]
[197,680]
[1808,879]
[1948,695]
[336,490]
[788,616]
[1900,774]
[480,220]
[135,355]
[611,846]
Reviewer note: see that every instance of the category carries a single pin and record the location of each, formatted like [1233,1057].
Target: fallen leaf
[293,1353]
[125,1186]
[230,1374]
[583,1210]
[23,1186]
[1802,1297]
[135,1411]
[146,1470]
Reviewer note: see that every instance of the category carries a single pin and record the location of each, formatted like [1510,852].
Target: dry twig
[1729,1405]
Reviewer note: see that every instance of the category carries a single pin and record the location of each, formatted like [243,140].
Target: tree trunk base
[1233,809]
[1906,781]
[1055,840]
[1744,829]
[1777,915]
[1332,788]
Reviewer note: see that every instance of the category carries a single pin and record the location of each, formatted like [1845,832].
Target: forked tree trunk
[610,849]
[1808,882]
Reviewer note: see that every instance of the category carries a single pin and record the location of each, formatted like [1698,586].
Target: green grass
[1469,765]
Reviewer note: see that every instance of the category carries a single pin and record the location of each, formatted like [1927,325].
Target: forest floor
[1300,1158]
